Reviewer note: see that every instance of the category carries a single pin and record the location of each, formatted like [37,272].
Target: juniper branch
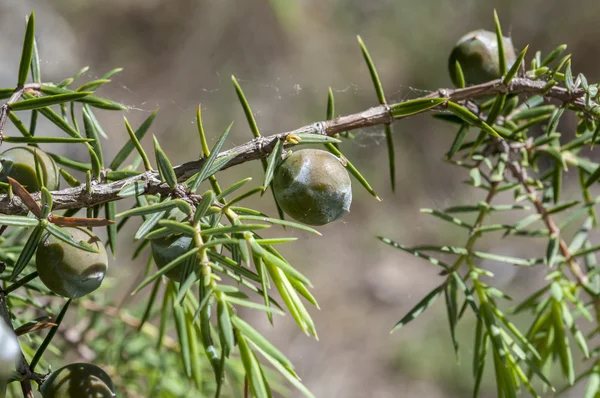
[582,278]
[520,175]
[102,191]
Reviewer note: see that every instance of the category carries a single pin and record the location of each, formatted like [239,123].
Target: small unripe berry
[78,380]
[9,351]
[167,249]
[19,164]
[477,53]
[312,186]
[70,271]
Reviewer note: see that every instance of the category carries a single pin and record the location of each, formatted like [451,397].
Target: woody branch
[259,148]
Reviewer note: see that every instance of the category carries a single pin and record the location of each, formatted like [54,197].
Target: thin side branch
[259,148]
[16,95]
[519,174]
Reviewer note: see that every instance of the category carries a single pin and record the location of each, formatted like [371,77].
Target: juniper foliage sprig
[530,160]
[191,327]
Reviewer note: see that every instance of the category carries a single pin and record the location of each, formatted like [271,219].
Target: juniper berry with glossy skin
[165,250]
[312,186]
[477,53]
[19,164]
[78,380]
[70,271]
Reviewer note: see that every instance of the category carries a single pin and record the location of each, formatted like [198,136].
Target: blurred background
[177,54]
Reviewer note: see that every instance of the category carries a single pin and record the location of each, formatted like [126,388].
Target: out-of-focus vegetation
[286,53]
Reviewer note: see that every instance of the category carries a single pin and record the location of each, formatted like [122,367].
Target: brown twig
[259,148]
[517,86]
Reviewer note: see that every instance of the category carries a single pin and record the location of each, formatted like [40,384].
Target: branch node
[320,128]
[443,93]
